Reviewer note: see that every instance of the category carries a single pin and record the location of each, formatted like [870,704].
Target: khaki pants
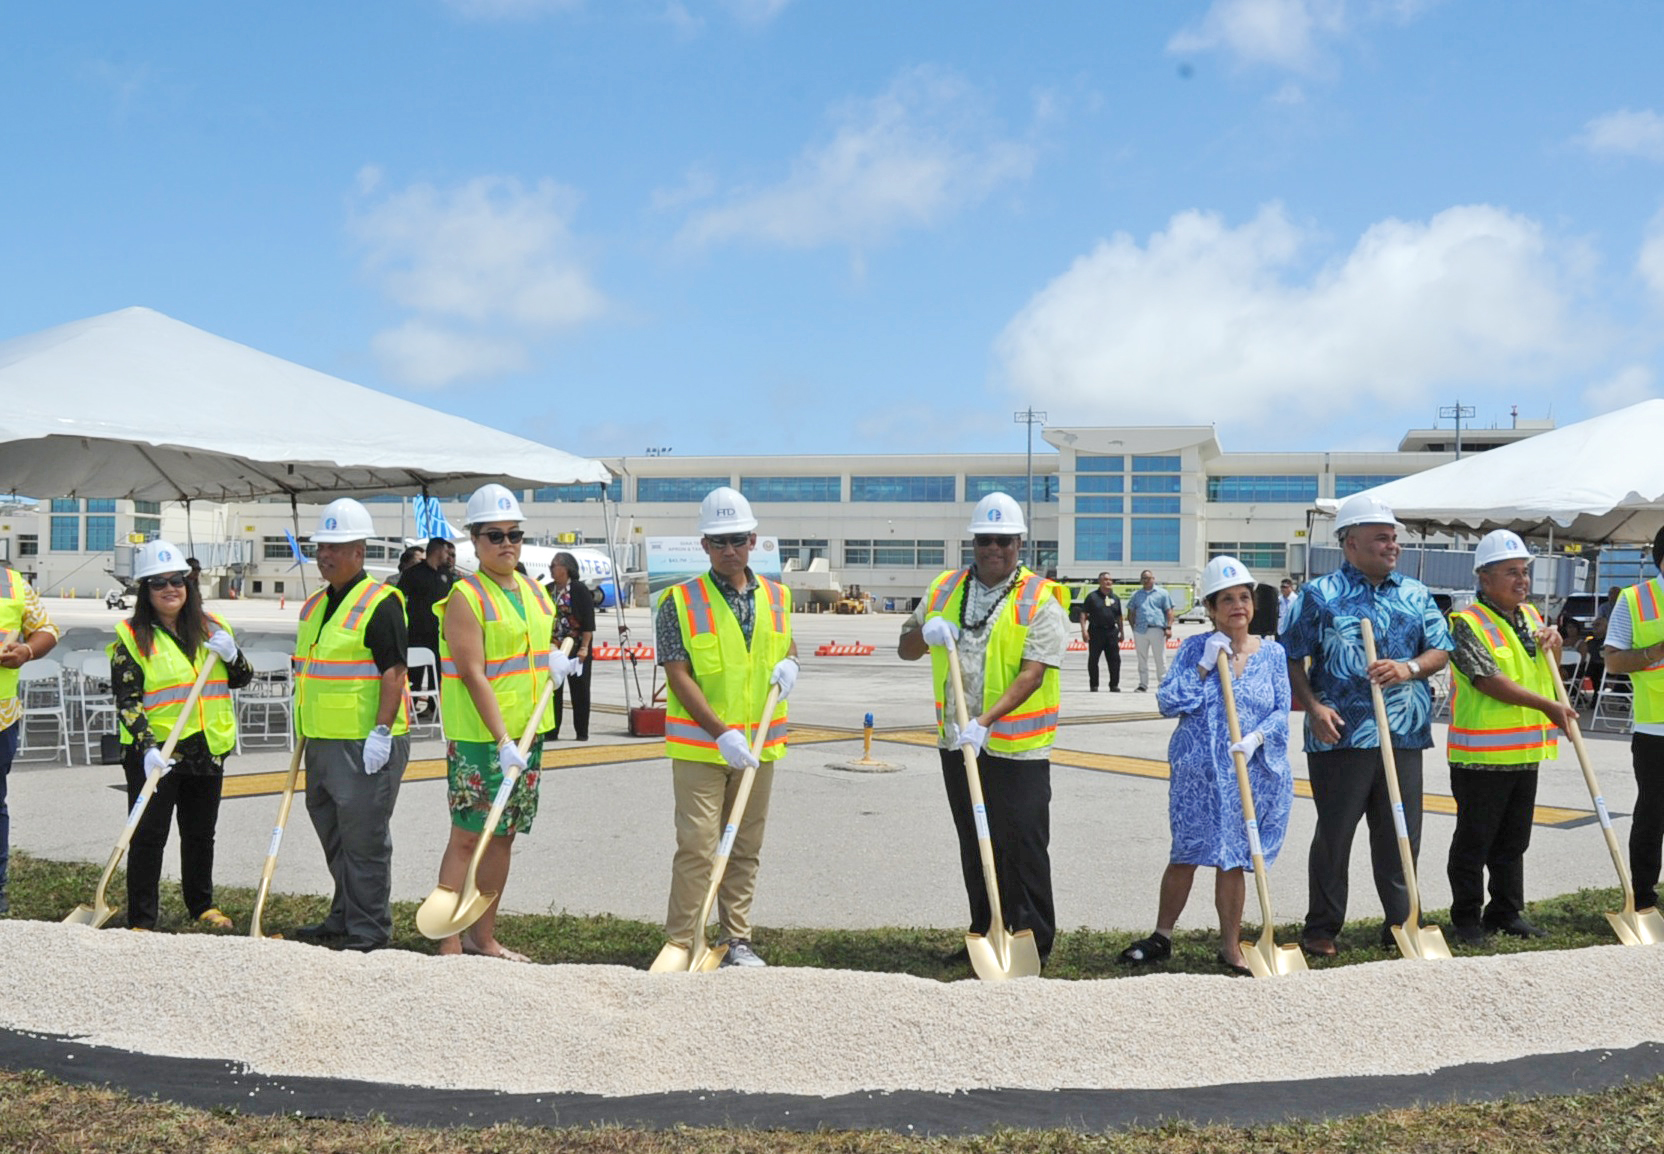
[704,797]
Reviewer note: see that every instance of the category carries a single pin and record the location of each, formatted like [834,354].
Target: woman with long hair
[574,618]
[154,661]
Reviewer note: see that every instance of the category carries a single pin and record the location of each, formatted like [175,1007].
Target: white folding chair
[1439,683]
[40,689]
[92,701]
[270,697]
[1614,702]
[421,659]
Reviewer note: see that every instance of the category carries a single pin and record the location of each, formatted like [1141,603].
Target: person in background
[195,574]
[26,634]
[425,585]
[1285,605]
[412,555]
[1100,628]
[1150,612]
[1634,644]
[154,661]
[574,618]
[1204,802]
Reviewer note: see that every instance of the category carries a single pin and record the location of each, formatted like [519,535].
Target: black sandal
[1154,948]
[1239,971]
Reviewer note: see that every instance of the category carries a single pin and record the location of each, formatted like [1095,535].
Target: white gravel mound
[282,1008]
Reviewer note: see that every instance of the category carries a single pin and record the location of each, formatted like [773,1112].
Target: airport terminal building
[1122,499]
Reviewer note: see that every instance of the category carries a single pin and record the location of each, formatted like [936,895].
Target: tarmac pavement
[844,849]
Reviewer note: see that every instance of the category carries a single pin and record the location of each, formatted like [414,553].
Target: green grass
[48,890]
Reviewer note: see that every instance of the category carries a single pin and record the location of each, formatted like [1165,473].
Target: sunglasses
[175,580]
[730,541]
[498,536]
[1000,539]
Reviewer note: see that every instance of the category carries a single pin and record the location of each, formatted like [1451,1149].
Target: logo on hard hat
[995,515]
[729,512]
[163,555]
[1229,571]
[329,522]
[502,502]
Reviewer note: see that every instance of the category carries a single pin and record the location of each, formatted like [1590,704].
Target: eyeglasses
[498,536]
[730,541]
[1000,540]
[174,580]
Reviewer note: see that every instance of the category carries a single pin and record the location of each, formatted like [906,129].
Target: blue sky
[761,226]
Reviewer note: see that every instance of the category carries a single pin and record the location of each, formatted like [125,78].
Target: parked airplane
[595,567]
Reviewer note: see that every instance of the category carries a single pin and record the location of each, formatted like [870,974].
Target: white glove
[510,757]
[940,631]
[222,645]
[1249,743]
[1211,649]
[153,762]
[975,735]
[378,747]
[561,667]
[785,676]
[735,750]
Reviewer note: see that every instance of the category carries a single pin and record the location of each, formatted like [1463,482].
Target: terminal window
[667,489]
[1296,490]
[935,490]
[1099,504]
[101,504]
[591,491]
[1101,483]
[66,505]
[1045,487]
[1098,538]
[1158,483]
[1269,555]
[101,533]
[1172,464]
[792,488]
[66,534]
[1085,464]
[1156,539]
[1347,484]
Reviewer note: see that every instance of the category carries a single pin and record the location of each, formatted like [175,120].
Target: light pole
[1458,410]
[1031,418]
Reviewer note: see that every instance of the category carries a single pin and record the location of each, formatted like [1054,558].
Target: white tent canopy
[136,404]
[1598,481]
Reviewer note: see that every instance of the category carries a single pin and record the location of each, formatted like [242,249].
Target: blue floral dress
[1203,804]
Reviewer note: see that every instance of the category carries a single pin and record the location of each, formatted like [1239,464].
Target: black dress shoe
[1518,927]
[1470,935]
[317,932]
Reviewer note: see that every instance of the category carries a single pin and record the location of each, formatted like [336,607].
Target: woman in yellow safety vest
[154,661]
[495,659]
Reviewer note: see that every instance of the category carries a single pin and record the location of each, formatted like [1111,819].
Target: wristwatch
[382,730]
[1415,669]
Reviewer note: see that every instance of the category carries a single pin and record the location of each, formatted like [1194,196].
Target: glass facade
[154,508]
[28,545]
[65,505]
[1297,490]
[1100,483]
[934,490]
[1085,464]
[1156,539]
[590,491]
[792,488]
[101,505]
[149,528]
[1157,464]
[1157,483]
[101,533]
[805,549]
[668,489]
[979,486]
[1267,555]
[66,534]
[1155,504]
[1098,539]
[1347,484]
[1100,504]
[886,553]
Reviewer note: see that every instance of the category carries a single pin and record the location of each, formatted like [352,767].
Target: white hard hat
[725,510]
[1362,509]
[341,521]
[1223,573]
[492,503]
[158,556]
[997,513]
[1499,545]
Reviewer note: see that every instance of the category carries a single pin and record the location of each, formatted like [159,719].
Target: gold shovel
[1634,927]
[701,957]
[1414,941]
[100,911]
[1265,958]
[445,912]
[270,867]
[999,954]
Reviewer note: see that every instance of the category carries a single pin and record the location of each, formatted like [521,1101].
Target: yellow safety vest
[12,587]
[337,684]
[733,679]
[1485,731]
[1033,724]
[168,677]
[1644,602]
[516,659]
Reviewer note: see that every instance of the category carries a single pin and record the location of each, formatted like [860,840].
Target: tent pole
[617,596]
[294,515]
[190,532]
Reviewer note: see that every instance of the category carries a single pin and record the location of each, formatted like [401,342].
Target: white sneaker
[740,953]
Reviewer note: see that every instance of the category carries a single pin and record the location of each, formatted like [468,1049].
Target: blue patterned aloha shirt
[1325,628]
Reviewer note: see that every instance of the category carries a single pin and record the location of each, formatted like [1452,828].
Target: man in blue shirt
[1150,610]
[1343,746]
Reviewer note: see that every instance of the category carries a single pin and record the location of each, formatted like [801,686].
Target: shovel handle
[979,809]
[270,867]
[1383,734]
[1261,883]
[1588,767]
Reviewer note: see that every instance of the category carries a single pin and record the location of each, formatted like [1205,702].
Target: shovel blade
[1267,959]
[707,960]
[1001,957]
[444,913]
[1425,943]
[94,916]
[1638,927]
[673,959]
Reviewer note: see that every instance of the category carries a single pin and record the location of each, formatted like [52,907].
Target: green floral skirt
[474,775]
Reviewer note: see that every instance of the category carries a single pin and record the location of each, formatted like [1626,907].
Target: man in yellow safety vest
[723,639]
[26,634]
[1009,628]
[1502,725]
[350,675]
[1635,645]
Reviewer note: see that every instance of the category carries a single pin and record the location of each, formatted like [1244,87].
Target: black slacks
[1349,784]
[1018,797]
[578,686]
[1101,644]
[1494,808]
[195,799]
[1646,828]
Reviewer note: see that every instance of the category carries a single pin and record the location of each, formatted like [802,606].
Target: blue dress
[1203,804]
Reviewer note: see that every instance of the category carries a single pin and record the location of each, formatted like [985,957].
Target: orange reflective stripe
[776,602]
[312,604]
[350,621]
[944,592]
[1028,599]
[700,617]
[1484,623]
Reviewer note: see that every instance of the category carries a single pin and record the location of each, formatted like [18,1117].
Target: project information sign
[671,560]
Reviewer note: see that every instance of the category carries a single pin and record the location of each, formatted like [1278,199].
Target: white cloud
[1650,264]
[488,268]
[1629,386]
[1280,33]
[1625,133]
[510,9]
[697,184]
[1210,323]
[908,158]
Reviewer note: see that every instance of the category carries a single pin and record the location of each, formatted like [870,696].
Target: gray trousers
[1348,784]
[352,812]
